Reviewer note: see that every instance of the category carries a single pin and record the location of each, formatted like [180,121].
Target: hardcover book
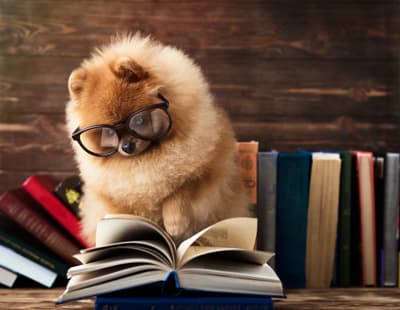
[322,219]
[366,193]
[390,217]
[132,251]
[26,267]
[24,244]
[291,226]
[344,225]
[40,187]
[185,303]
[379,175]
[248,163]
[266,206]
[22,210]
[69,191]
[7,277]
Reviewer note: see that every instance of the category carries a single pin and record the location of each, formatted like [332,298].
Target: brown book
[248,163]
[19,207]
[366,195]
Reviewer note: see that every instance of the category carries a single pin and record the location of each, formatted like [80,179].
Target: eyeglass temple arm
[163,99]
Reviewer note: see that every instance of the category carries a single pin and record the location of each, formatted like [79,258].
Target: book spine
[266,198]
[38,227]
[367,217]
[355,249]
[40,188]
[32,253]
[248,162]
[69,191]
[291,234]
[391,205]
[7,277]
[344,226]
[26,267]
[322,219]
[379,167]
[183,303]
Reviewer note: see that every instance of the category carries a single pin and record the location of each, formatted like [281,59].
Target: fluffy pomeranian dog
[149,140]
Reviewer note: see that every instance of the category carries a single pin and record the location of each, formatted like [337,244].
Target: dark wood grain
[313,74]
[343,299]
[277,28]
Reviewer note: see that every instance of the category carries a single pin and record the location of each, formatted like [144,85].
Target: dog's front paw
[177,226]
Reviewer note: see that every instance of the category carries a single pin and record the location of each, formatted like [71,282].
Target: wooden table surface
[360,298]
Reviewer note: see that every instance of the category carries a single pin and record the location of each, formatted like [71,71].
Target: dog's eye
[108,132]
[139,121]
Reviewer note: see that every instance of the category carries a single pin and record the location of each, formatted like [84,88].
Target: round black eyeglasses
[150,123]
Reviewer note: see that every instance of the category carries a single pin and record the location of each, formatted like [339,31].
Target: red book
[20,208]
[366,193]
[41,187]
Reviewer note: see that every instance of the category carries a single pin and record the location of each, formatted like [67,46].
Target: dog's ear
[75,82]
[127,69]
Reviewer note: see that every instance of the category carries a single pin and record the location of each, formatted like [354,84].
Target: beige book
[322,219]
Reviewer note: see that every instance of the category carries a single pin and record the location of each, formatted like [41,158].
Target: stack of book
[330,217]
[39,231]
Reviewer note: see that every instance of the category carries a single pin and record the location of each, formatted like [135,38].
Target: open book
[132,251]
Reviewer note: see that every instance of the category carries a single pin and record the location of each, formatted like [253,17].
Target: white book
[7,277]
[26,267]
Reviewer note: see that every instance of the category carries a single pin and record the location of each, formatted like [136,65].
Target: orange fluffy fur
[186,181]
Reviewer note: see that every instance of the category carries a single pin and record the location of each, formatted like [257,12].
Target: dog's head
[150,100]
[119,107]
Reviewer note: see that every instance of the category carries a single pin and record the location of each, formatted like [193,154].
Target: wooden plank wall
[291,74]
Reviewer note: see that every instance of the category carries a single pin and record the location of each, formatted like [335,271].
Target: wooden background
[291,74]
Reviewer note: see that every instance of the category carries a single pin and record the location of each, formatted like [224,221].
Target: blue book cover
[292,206]
[184,303]
[266,202]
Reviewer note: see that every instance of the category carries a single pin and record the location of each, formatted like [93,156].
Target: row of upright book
[332,218]
[39,231]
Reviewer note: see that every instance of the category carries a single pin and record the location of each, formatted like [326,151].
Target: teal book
[292,207]
[344,226]
[266,201]
[184,303]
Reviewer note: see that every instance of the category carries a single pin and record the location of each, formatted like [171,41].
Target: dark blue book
[184,303]
[291,233]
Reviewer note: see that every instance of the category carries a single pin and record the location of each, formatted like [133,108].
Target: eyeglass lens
[149,124]
[102,140]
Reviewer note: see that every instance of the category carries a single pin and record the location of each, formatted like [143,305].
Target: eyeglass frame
[76,135]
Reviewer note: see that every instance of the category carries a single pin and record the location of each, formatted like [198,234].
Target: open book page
[114,285]
[96,277]
[238,232]
[112,262]
[228,268]
[217,283]
[231,254]
[123,227]
[155,248]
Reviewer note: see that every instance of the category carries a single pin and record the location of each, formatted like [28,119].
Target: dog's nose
[129,147]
